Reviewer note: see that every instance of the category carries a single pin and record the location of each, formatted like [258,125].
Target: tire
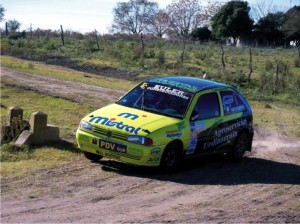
[240,146]
[91,156]
[170,158]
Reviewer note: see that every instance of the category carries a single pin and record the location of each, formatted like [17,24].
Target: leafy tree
[268,29]
[291,26]
[232,20]
[13,25]
[160,24]
[2,10]
[202,34]
[134,16]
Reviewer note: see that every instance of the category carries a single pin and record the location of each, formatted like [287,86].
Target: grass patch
[26,160]
[277,116]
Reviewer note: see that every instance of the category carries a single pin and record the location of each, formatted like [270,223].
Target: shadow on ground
[216,171]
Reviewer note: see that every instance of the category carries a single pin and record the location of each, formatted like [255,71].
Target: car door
[205,118]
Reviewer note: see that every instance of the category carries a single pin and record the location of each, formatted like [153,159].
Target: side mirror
[195,116]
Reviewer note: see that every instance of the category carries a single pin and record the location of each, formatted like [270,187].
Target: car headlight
[85,125]
[140,140]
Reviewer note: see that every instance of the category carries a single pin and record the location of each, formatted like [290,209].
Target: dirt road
[263,187]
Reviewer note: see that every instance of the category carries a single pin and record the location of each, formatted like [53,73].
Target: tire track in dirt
[70,90]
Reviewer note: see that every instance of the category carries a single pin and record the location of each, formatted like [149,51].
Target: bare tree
[134,16]
[185,16]
[160,24]
[263,7]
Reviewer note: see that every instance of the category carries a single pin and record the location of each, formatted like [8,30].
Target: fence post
[62,35]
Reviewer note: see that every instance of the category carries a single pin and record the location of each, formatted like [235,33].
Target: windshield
[157,98]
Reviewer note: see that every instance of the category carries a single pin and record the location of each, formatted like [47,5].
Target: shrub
[269,66]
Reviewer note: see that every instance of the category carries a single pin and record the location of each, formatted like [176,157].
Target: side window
[231,102]
[207,106]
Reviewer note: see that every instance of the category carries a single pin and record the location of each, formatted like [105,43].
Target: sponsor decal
[153,160]
[174,134]
[169,90]
[155,151]
[228,100]
[225,134]
[196,128]
[112,146]
[128,115]
[181,125]
[176,84]
[144,85]
[119,125]
[94,141]
[112,156]
[231,127]
[109,155]
[135,151]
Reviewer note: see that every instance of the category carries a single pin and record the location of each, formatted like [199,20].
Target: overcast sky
[77,15]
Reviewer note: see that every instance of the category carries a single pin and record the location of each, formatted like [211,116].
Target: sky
[77,15]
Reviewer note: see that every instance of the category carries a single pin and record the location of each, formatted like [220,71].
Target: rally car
[164,120]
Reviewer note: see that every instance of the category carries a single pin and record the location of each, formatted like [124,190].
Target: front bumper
[134,154]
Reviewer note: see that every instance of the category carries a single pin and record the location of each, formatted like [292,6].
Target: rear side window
[208,106]
[232,103]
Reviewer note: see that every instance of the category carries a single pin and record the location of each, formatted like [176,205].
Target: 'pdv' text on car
[163,120]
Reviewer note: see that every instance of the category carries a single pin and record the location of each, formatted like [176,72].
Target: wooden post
[183,50]
[143,46]
[250,65]
[6,29]
[62,35]
[223,62]
[299,53]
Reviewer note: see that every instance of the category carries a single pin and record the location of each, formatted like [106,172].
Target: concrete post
[15,114]
[38,122]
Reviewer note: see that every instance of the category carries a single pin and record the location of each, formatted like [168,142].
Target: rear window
[232,103]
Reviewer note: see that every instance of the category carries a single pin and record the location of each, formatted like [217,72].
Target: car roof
[191,84]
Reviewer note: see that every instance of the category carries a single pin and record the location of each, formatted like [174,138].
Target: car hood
[131,121]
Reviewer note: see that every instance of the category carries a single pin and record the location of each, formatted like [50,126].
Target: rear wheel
[170,158]
[240,146]
[91,156]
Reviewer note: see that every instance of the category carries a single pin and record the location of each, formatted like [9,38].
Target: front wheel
[91,156]
[240,146]
[170,158]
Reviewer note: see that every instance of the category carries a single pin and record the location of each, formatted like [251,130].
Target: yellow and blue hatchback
[164,120]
